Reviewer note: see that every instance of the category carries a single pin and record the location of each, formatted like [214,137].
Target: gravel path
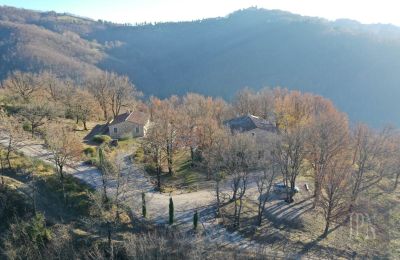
[36,149]
[157,203]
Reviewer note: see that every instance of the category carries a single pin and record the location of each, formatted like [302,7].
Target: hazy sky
[131,11]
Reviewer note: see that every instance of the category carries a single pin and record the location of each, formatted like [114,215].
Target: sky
[137,11]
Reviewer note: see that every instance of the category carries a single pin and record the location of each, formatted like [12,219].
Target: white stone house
[129,124]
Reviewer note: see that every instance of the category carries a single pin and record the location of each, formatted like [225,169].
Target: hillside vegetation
[355,65]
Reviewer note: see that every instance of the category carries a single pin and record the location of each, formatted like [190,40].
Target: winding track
[137,182]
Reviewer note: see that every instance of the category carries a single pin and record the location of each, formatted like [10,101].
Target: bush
[90,151]
[92,161]
[150,168]
[125,137]
[69,113]
[27,239]
[14,205]
[139,154]
[12,110]
[27,127]
[101,139]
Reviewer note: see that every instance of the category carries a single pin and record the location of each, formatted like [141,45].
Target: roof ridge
[130,113]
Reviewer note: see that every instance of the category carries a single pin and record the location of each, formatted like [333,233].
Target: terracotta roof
[248,123]
[134,117]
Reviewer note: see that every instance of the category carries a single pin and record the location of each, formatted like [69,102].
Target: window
[137,129]
[115,130]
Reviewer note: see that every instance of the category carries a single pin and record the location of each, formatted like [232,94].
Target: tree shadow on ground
[324,251]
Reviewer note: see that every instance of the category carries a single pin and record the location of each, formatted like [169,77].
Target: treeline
[346,162]
[31,46]
[313,138]
[36,98]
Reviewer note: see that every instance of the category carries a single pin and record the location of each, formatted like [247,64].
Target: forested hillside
[357,66]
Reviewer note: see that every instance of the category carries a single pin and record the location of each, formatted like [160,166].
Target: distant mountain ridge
[355,65]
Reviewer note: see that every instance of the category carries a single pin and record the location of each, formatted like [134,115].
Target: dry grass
[297,228]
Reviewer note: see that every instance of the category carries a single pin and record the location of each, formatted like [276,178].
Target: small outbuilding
[254,126]
[250,124]
[129,124]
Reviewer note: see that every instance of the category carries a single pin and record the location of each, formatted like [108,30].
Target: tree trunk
[9,152]
[63,184]
[325,234]
[289,198]
[2,171]
[34,197]
[291,192]
[84,125]
[396,182]
[159,177]
[105,113]
[169,159]
[317,191]
[234,195]
[105,197]
[259,216]
[235,213]
[191,156]
[208,173]
[32,130]
[218,198]
[239,211]
[327,219]
[110,246]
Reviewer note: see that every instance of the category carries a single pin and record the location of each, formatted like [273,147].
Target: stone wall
[126,129]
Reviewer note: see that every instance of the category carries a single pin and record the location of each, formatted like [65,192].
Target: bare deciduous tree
[288,154]
[122,93]
[208,134]
[154,143]
[112,92]
[334,199]
[328,139]
[65,147]
[371,155]
[52,85]
[108,205]
[260,103]
[264,183]
[11,130]
[166,115]
[83,107]
[238,159]
[22,84]
[99,87]
[36,114]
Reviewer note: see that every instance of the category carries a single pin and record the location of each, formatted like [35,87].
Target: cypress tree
[195,220]
[171,211]
[144,211]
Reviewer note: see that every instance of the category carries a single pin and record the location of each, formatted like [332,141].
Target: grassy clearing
[49,197]
[186,177]
[297,227]
[128,144]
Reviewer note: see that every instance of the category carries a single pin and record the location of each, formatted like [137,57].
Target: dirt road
[157,203]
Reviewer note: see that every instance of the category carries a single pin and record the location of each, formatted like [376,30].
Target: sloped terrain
[355,65]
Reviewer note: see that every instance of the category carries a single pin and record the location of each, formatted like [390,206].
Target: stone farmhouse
[252,125]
